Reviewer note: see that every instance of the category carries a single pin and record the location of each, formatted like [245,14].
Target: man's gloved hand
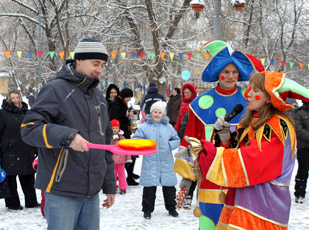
[223,129]
[185,183]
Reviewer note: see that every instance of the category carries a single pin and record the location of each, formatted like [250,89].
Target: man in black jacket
[301,119]
[67,114]
[151,97]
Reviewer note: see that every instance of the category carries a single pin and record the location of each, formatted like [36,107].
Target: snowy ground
[126,214]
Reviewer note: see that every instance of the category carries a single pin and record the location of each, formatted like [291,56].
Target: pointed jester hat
[223,55]
[280,88]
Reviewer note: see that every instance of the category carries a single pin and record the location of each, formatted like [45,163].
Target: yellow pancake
[137,144]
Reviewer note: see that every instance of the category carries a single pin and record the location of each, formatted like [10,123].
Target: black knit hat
[90,48]
[126,92]
[177,90]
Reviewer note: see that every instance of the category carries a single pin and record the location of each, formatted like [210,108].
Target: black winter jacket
[301,119]
[17,156]
[151,97]
[173,107]
[118,110]
[71,104]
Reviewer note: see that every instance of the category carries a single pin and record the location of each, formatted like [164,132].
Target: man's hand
[109,201]
[79,144]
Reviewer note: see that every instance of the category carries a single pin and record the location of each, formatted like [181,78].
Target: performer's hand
[109,201]
[221,124]
[223,129]
[185,183]
[225,135]
[184,153]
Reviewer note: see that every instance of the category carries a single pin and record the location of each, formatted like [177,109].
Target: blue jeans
[68,213]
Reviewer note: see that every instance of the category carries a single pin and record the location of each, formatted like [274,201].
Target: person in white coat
[157,169]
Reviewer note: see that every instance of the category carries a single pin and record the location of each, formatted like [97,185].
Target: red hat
[256,62]
[115,122]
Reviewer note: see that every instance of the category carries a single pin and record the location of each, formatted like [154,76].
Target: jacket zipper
[99,120]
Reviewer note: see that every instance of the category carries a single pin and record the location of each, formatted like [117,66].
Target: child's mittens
[115,137]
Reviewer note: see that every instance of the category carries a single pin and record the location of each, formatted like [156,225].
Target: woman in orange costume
[258,170]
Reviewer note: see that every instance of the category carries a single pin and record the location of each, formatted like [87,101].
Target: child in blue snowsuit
[157,169]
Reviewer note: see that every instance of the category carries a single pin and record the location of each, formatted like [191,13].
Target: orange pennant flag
[7,54]
[61,54]
[113,54]
[206,55]
[162,55]
[301,64]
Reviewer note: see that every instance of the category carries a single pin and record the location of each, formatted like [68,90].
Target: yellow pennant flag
[162,55]
[172,56]
[7,54]
[61,53]
[123,55]
[113,54]
[19,53]
[72,55]
[263,61]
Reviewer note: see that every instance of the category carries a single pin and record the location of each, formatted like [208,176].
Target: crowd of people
[240,162]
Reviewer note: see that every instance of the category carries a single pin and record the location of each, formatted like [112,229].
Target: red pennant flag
[282,63]
[40,53]
[189,55]
[142,54]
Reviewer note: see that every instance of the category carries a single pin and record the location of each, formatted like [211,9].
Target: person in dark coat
[67,114]
[119,111]
[151,97]
[301,119]
[173,106]
[111,93]
[31,99]
[17,156]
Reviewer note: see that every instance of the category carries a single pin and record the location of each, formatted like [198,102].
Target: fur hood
[164,119]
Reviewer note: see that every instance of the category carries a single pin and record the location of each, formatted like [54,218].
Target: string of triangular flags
[135,55]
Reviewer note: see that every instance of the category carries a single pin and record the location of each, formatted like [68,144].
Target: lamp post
[40,48]
[217,20]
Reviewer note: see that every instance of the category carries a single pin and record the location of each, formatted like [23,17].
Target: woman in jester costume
[257,170]
[227,67]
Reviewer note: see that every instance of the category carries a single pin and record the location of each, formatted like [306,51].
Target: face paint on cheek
[222,78]
[257,97]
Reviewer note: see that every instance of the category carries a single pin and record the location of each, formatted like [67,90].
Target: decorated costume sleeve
[184,169]
[195,128]
[247,165]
